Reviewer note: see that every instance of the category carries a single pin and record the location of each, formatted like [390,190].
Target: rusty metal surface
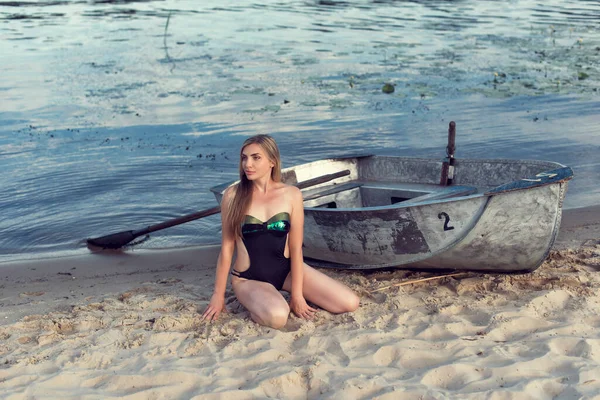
[366,236]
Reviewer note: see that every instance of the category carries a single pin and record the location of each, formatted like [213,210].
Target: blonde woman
[263,220]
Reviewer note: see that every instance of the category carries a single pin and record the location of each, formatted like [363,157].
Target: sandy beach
[127,325]
[121,114]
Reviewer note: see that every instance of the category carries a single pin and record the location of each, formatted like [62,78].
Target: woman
[263,220]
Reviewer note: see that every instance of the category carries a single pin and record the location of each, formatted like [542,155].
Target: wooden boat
[496,215]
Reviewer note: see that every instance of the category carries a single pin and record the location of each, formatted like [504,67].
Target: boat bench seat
[447,192]
[332,189]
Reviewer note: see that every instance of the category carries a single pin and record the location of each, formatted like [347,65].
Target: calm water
[116,115]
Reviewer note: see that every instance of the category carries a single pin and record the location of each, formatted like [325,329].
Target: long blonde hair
[235,211]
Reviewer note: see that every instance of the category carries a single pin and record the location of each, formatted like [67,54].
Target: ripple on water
[521,83]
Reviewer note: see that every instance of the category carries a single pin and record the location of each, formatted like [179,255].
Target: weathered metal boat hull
[500,216]
[514,233]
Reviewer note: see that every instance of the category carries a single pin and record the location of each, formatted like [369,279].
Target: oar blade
[114,241]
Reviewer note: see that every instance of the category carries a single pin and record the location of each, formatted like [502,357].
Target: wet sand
[127,325]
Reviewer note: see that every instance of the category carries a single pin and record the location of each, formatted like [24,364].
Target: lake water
[115,115]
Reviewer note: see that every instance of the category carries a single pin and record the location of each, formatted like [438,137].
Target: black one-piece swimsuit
[265,243]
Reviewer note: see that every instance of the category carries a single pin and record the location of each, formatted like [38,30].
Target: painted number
[447,219]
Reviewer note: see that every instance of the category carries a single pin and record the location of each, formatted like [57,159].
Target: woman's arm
[217,301]
[296,236]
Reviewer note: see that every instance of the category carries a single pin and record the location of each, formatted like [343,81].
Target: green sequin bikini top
[279,222]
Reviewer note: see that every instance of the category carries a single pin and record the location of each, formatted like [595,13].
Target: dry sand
[126,325]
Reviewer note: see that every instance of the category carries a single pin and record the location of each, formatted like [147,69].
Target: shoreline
[585,219]
[127,324]
[573,219]
[579,227]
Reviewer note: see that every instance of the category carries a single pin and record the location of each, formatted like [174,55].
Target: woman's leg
[266,305]
[325,292]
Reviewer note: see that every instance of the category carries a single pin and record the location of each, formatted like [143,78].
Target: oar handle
[215,210]
[118,240]
[322,179]
[178,221]
[447,175]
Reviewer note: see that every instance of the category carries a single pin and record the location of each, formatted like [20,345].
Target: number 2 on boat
[447,219]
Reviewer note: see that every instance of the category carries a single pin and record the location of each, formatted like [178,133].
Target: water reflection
[113,119]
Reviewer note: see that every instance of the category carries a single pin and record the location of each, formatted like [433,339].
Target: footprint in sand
[329,349]
[164,343]
[508,328]
[572,347]
[25,340]
[550,304]
[286,385]
[523,350]
[452,377]
[436,332]
[90,323]
[63,326]
[49,338]
[179,323]
[95,360]
[194,347]
[386,356]
[414,359]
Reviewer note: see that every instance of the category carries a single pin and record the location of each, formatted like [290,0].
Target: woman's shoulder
[291,191]
[229,193]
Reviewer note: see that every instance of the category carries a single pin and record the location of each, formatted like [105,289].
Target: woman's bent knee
[352,303]
[278,322]
[275,317]
[348,304]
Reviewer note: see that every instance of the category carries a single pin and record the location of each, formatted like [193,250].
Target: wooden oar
[118,240]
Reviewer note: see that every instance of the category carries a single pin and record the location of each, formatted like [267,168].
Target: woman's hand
[214,308]
[300,308]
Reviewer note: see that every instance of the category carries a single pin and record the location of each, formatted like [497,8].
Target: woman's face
[255,162]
